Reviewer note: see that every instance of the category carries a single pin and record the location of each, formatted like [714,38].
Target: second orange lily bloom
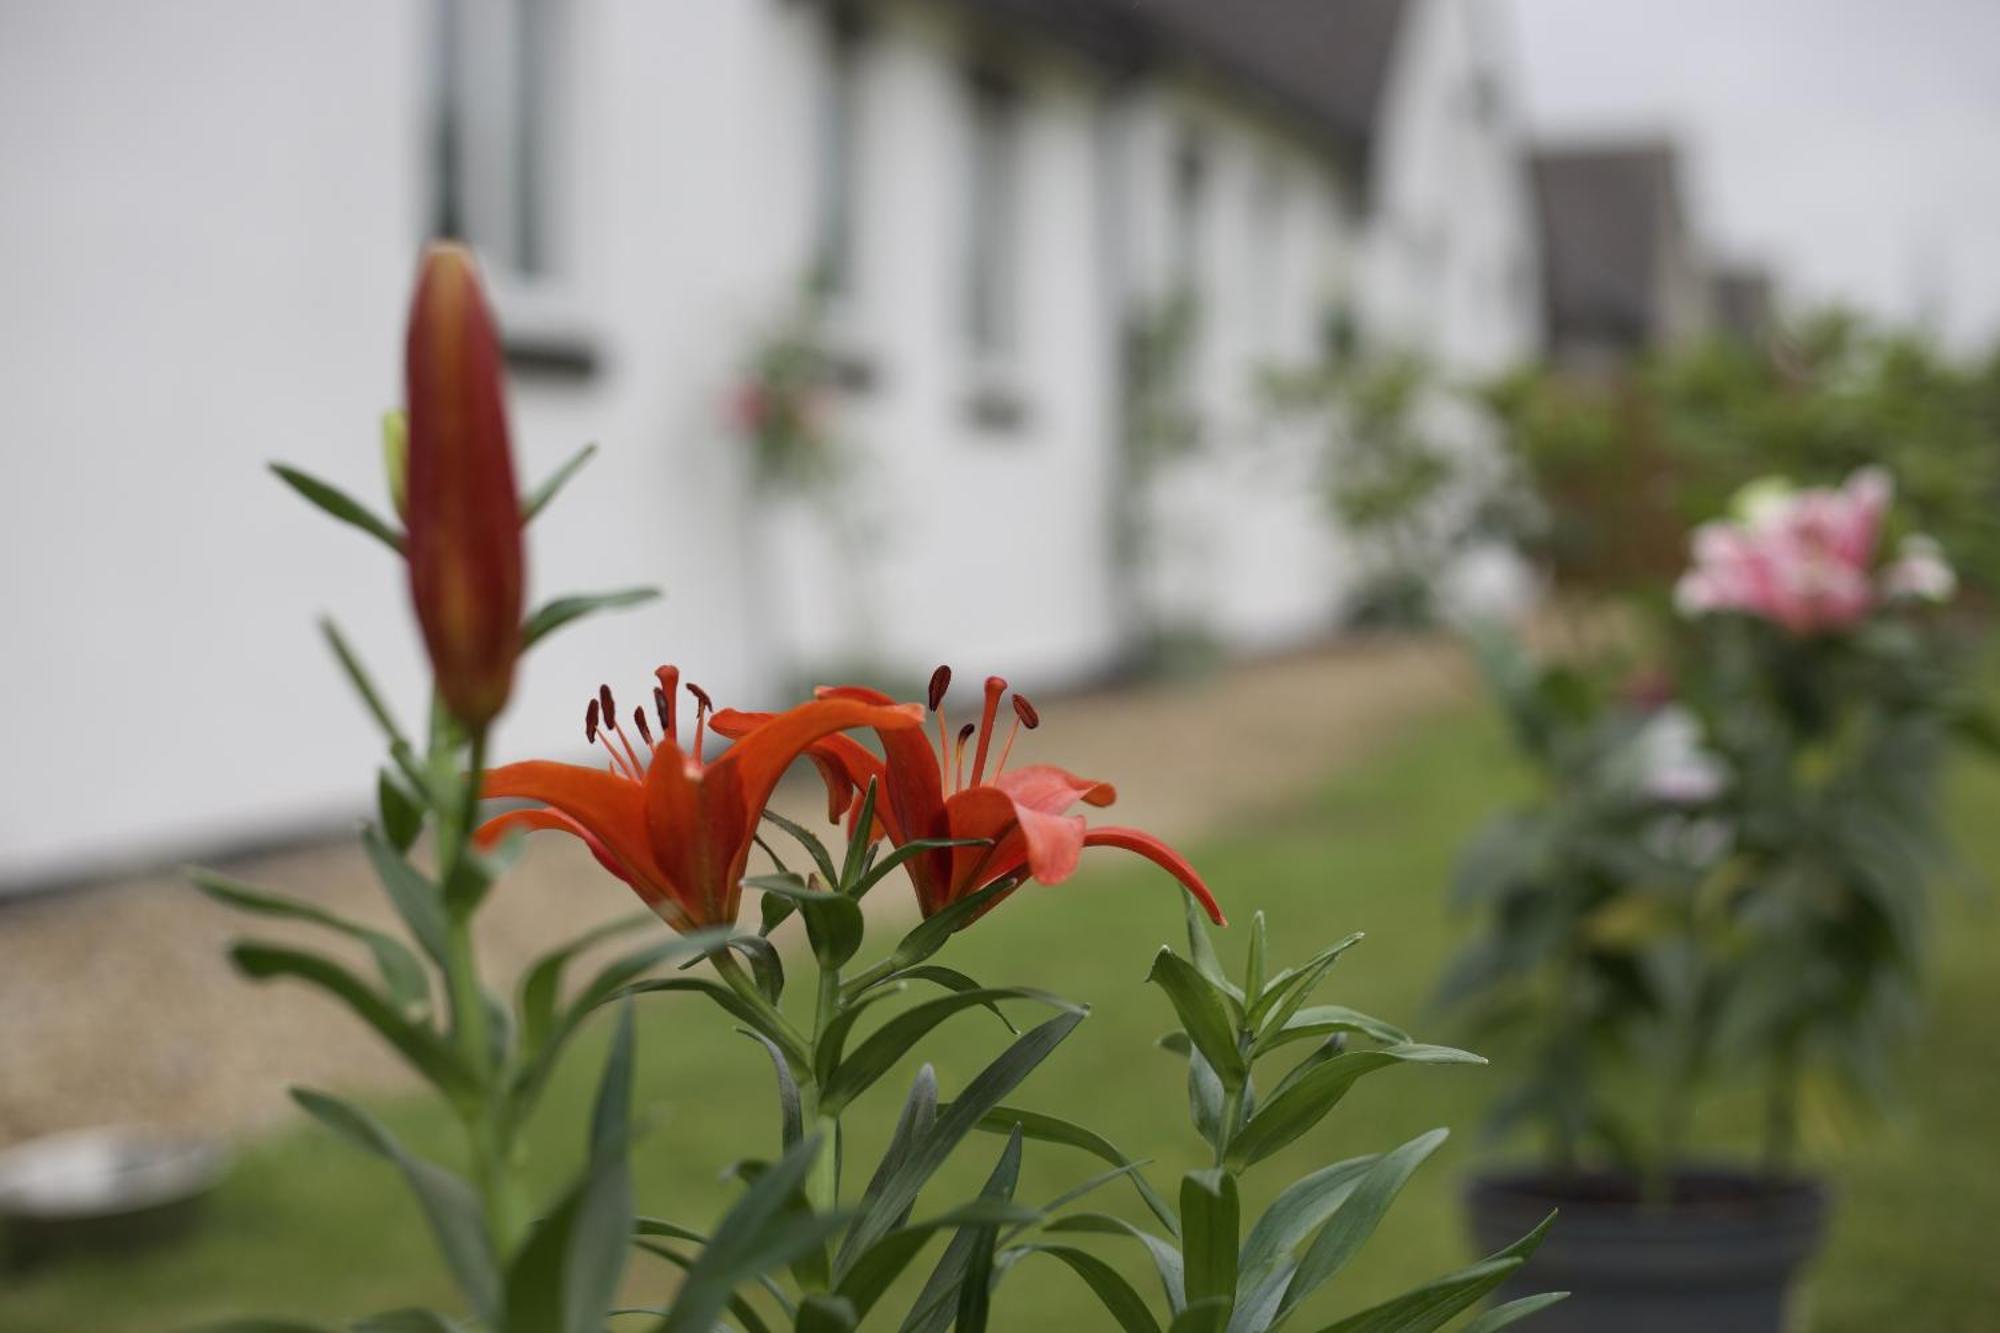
[1020,819]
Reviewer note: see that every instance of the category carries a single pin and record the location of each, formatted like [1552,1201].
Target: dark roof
[1744,300]
[1606,213]
[1325,61]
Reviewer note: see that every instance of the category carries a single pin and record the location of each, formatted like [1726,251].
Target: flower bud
[396,460]
[463,511]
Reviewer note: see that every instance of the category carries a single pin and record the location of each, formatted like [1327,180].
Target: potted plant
[1717,886]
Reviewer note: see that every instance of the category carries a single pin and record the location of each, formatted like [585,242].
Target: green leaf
[913,1124]
[808,840]
[408,984]
[1166,1257]
[1202,950]
[401,813]
[1205,1015]
[613,977]
[414,897]
[1124,1305]
[866,1280]
[1046,1128]
[762,1232]
[371,698]
[540,990]
[820,1313]
[1290,989]
[420,1045]
[878,1216]
[1324,1020]
[1437,1303]
[933,932]
[1293,1110]
[833,1042]
[1293,1216]
[975,1287]
[1358,1215]
[740,1309]
[254,1324]
[539,498]
[1206,1099]
[765,964]
[1209,1220]
[1500,1316]
[833,920]
[339,504]
[611,983]
[552,616]
[894,1039]
[791,1117]
[953,980]
[1253,968]
[880,870]
[851,869]
[1210,1315]
[449,1204]
[969,1252]
[567,1273]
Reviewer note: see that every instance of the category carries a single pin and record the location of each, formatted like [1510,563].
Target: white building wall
[209,214]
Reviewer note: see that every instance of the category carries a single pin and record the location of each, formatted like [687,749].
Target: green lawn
[306,1227]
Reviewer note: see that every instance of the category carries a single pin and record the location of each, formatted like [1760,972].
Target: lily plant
[802,1247]
[1215,1275]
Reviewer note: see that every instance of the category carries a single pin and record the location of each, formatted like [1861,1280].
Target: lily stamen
[1024,716]
[611,725]
[702,707]
[995,687]
[593,734]
[667,696]
[940,683]
[958,762]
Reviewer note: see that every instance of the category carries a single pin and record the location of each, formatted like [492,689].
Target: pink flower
[1800,559]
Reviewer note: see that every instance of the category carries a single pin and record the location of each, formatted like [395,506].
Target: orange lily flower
[461,508]
[1025,814]
[674,828]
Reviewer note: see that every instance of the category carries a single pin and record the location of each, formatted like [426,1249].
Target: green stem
[777,1027]
[488,1124]
[1232,1108]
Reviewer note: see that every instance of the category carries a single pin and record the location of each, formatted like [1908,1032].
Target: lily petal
[1161,855]
[912,780]
[1052,790]
[609,808]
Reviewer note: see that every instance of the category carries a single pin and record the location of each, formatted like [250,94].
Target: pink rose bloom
[1800,559]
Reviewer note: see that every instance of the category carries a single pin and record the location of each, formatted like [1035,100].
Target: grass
[306,1228]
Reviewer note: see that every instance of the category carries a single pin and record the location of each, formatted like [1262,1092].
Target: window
[993,224]
[496,124]
[838,154]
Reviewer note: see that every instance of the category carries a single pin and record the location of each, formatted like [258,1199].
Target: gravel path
[116,1003]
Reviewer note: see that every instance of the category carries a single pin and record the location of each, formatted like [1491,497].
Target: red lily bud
[464,519]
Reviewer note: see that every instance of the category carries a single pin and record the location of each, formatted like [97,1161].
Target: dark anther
[1026,712]
[940,682]
[610,708]
[965,733]
[664,709]
[645,731]
[701,697]
[590,723]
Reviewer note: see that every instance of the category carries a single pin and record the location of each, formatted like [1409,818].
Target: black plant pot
[1720,1256]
